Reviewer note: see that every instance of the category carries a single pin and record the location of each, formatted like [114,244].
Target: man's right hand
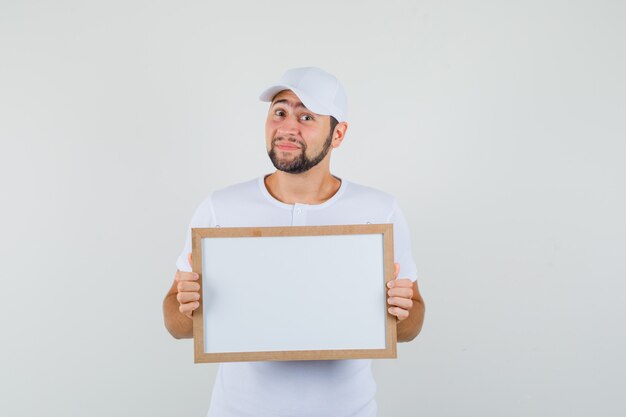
[180,302]
[188,289]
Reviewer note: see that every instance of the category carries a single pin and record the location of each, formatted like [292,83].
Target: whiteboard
[293,293]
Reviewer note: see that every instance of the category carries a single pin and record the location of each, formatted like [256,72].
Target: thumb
[189,258]
[396,271]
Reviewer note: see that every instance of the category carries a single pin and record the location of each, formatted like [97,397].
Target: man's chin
[288,168]
[291,167]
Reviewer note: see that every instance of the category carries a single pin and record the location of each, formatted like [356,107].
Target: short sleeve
[204,216]
[402,244]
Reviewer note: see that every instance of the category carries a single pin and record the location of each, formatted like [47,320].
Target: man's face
[297,139]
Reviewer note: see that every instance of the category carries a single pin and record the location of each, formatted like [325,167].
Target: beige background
[499,126]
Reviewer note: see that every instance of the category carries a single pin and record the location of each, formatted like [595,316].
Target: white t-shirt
[298,388]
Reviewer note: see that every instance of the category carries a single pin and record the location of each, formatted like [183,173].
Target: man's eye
[307,117]
[279,113]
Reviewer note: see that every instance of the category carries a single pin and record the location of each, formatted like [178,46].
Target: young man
[305,123]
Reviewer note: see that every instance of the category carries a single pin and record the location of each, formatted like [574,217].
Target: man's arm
[179,303]
[407,304]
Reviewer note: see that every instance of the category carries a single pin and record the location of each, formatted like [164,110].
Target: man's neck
[311,187]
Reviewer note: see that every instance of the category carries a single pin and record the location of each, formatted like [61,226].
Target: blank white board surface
[318,290]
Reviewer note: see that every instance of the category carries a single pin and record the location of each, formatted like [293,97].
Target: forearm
[179,325]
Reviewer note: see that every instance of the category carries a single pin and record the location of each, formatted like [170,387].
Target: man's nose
[288,126]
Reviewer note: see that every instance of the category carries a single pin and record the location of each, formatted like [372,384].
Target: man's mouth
[286,145]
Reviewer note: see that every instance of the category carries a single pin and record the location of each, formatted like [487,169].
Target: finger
[396,270]
[187,286]
[400,292]
[189,258]
[402,283]
[405,303]
[188,308]
[400,313]
[186,276]
[187,297]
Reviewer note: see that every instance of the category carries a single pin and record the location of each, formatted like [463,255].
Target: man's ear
[339,133]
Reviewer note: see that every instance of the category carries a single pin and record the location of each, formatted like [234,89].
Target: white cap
[318,90]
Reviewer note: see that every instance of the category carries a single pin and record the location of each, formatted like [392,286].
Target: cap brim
[309,103]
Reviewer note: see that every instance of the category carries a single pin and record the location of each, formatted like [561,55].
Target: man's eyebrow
[284,100]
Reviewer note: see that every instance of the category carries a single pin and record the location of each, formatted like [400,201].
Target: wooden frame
[228,317]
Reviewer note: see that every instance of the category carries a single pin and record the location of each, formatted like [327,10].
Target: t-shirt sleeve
[402,244]
[202,217]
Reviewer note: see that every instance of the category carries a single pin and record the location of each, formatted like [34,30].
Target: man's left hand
[400,296]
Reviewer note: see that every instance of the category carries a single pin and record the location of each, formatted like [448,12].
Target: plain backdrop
[500,126]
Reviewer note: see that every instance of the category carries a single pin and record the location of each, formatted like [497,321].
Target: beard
[300,163]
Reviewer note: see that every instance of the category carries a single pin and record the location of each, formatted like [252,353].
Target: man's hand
[188,295]
[407,305]
[180,302]
[188,290]
[400,295]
